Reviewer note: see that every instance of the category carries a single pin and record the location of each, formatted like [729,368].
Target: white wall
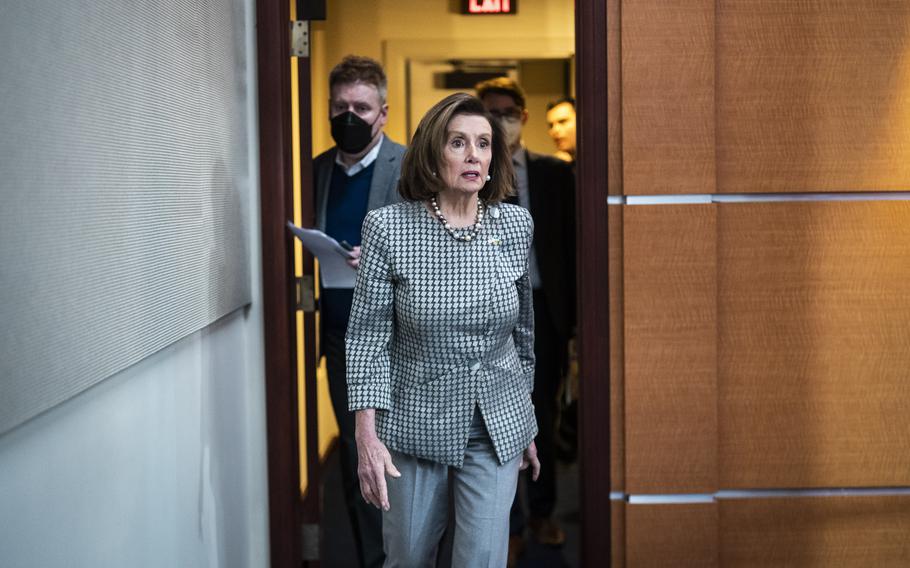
[161,465]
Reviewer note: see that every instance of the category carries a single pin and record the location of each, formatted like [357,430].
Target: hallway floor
[338,542]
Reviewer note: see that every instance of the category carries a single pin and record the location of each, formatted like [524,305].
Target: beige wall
[394,31]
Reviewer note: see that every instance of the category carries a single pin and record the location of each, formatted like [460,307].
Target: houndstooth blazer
[439,326]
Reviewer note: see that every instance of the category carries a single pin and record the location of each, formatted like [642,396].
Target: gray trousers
[418,507]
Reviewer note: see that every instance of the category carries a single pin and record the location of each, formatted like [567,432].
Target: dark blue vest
[346,208]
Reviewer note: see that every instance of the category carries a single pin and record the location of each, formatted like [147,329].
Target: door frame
[279,293]
[592,282]
[278,286]
[311,505]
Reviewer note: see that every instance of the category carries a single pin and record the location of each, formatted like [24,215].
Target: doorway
[421,71]
[543,81]
[402,58]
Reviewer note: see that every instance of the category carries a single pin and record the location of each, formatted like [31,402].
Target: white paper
[334,271]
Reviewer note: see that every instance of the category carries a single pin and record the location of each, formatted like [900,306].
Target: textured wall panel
[614,108]
[813,95]
[618,527]
[814,344]
[678,535]
[668,96]
[670,348]
[124,181]
[851,532]
[617,405]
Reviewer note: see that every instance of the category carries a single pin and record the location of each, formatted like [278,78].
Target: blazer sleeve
[523,334]
[569,224]
[370,325]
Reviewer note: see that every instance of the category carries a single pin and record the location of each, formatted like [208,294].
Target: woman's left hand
[529,458]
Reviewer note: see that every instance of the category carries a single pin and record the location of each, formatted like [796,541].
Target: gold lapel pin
[495,242]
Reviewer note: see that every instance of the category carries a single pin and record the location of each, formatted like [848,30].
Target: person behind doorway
[360,173]
[440,344]
[546,187]
[561,127]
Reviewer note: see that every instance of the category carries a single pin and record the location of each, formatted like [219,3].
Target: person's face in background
[561,122]
[511,116]
[467,154]
[363,100]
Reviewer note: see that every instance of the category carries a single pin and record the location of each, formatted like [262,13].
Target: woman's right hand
[373,461]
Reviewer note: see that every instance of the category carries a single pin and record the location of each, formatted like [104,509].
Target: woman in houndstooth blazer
[440,344]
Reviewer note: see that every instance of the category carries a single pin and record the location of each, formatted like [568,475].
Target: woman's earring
[434,174]
[489,177]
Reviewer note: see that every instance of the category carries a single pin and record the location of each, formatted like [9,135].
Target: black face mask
[351,133]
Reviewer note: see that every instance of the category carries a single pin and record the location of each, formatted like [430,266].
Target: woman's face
[467,153]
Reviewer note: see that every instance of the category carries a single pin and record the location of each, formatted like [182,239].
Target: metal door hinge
[309,538]
[306,293]
[300,38]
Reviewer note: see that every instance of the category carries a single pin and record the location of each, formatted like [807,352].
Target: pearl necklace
[445,224]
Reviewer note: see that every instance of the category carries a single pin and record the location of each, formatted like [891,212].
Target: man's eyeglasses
[509,115]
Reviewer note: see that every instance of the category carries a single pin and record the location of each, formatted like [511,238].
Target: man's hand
[354,260]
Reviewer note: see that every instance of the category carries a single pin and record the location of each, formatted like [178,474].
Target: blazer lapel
[536,195]
[537,190]
[383,176]
[323,181]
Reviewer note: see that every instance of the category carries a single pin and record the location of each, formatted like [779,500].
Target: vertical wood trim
[614,96]
[618,558]
[311,500]
[617,352]
[592,280]
[614,187]
[276,206]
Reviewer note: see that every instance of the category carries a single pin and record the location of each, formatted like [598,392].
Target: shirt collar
[364,162]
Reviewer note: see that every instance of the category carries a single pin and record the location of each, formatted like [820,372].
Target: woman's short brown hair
[423,159]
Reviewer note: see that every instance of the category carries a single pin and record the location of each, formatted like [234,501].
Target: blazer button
[474,365]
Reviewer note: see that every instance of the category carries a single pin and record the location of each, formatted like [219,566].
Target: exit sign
[477,7]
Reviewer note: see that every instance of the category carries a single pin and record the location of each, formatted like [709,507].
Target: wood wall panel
[812,95]
[617,418]
[670,348]
[668,115]
[856,531]
[672,535]
[618,541]
[814,344]
[614,94]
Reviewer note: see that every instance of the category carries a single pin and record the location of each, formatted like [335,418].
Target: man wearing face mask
[546,187]
[357,175]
